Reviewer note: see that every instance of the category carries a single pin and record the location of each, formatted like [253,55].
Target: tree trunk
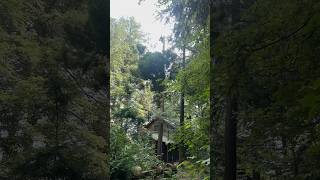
[232,108]
[181,146]
[231,138]
[215,5]
[219,12]
[162,103]
[160,136]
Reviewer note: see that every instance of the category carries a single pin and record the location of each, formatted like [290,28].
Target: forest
[233,94]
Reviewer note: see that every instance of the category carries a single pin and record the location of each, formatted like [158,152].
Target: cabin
[162,137]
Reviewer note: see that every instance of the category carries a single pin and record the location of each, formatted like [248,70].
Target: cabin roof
[158,119]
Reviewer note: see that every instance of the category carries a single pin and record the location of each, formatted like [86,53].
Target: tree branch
[286,37]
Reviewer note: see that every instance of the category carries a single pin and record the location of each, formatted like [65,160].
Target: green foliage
[192,136]
[132,101]
[194,79]
[127,154]
[267,62]
[193,169]
[47,75]
[151,67]
[189,17]
[125,36]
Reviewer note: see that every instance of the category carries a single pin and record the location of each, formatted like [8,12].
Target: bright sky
[145,15]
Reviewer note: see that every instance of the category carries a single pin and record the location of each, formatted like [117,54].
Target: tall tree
[215,5]
[56,77]
[231,108]
[182,106]
[100,20]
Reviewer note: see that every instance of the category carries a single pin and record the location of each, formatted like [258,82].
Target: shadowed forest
[233,94]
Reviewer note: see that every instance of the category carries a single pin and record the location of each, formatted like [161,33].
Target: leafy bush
[127,153]
[193,169]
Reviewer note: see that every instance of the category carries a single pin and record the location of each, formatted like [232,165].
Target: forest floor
[179,175]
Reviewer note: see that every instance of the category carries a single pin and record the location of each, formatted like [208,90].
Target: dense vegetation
[241,82]
[147,84]
[131,101]
[53,97]
[264,84]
